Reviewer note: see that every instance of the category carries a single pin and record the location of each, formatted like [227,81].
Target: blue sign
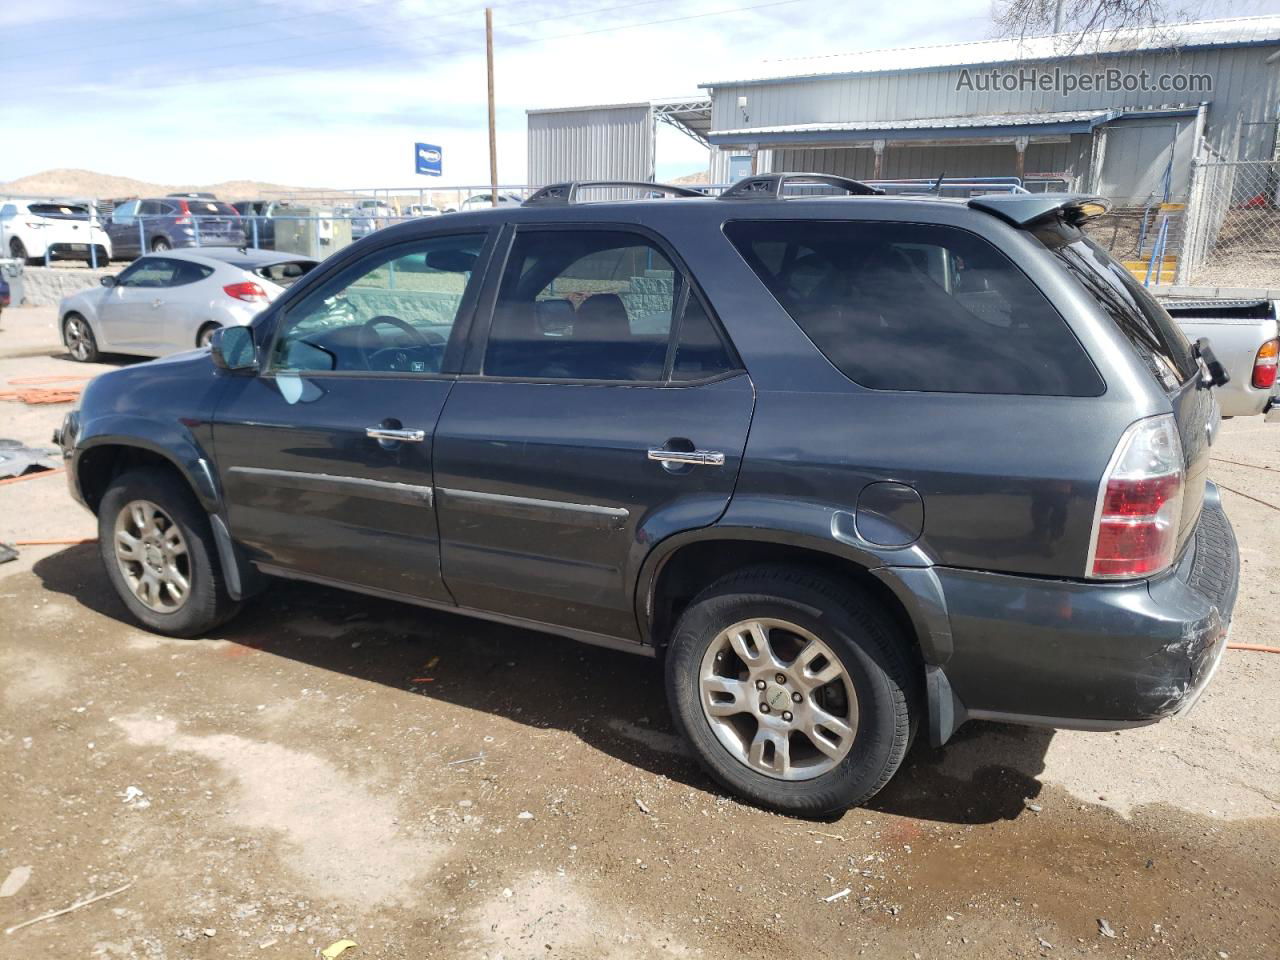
[427,159]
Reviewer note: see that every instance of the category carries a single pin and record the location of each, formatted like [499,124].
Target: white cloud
[339,96]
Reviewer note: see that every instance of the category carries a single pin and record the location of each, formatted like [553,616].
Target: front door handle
[697,458]
[156,303]
[385,433]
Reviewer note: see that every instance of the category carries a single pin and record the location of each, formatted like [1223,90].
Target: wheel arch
[100,460]
[206,325]
[682,566]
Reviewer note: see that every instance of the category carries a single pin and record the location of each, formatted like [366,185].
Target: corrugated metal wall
[1245,88]
[904,162]
[594,143]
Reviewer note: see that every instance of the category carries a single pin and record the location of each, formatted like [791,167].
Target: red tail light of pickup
[1264,365]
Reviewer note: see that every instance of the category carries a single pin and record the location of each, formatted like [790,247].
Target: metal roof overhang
[691,117]
[974,128]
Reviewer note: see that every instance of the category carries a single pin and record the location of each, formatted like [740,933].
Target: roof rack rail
[567,192]
[770,186]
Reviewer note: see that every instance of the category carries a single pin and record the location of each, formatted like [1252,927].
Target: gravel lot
[331,766]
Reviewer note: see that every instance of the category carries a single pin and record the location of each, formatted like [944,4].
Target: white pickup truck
[1245,338]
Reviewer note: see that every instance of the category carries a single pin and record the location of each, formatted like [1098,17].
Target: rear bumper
[1092,656]
[78,250]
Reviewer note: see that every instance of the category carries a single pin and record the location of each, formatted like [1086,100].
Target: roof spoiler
[1026,209]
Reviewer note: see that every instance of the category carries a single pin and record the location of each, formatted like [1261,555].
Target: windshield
[1140,317]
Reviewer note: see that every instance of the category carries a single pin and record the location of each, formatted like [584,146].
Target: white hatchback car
[30,229]
[166,303]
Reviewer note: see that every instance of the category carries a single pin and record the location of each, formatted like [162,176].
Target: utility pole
[493,124]
[1057,15]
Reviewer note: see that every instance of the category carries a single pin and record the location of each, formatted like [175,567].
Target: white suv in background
[30,229]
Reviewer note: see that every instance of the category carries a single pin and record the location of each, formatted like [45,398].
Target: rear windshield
[285,273]
[905,306]
[207,208]
[59,211]
[1157,339]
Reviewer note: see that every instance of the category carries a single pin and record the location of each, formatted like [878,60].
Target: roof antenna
[937,187]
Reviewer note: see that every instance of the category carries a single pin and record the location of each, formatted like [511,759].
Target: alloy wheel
[79,338]
[778,699]
[152,555]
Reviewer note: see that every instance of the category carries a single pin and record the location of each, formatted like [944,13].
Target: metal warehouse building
[1124,119]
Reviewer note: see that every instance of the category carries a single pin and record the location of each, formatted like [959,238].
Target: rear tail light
[1264,365]
[1135,527]
[247,291]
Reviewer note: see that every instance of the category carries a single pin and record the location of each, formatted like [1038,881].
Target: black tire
[872,651]
[205,333]
[18,250]
[207,602]
[78,337]
[161,245]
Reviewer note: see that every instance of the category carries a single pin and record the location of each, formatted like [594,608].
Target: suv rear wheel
[794,691]
[158,548]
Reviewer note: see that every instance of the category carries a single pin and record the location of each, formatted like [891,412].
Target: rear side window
[904,306]
[285,273]
[162,272]
[599,305]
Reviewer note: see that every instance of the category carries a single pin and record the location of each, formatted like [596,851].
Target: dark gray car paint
[549,514]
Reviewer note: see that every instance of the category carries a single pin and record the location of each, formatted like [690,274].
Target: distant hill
[88,183]
[692,178]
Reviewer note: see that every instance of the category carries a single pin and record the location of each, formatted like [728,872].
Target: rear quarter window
[922,307]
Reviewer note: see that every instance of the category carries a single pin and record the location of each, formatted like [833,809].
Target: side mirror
[108,281]
[232,348]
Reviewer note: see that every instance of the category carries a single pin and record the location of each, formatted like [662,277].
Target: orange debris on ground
[33,392]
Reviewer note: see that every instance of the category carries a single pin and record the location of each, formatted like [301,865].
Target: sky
[325,93]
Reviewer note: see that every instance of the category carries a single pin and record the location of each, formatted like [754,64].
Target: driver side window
[392,312]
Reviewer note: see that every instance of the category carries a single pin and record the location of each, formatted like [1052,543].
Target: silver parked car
[170,302]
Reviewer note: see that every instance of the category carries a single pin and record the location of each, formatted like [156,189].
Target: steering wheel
[370,342]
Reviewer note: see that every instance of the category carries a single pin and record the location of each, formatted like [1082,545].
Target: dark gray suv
[852,465]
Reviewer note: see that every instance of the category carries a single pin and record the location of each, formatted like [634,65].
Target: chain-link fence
[1232,231]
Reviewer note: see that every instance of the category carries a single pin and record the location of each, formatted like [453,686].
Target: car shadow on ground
[612,700]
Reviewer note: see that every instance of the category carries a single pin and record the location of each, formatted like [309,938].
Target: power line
[649,23]
[376,45]
[463,50]
[244,25]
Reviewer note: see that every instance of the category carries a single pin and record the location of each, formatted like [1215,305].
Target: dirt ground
[330,766]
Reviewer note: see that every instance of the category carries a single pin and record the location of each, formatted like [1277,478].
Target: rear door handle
[385,433]
[697,458]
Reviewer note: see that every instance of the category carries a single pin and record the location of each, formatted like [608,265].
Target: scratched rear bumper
[1092,655]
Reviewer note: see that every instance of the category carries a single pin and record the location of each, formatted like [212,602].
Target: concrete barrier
[45,286]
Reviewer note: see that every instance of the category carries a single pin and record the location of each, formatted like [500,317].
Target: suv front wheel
[794,691]
[158,548]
